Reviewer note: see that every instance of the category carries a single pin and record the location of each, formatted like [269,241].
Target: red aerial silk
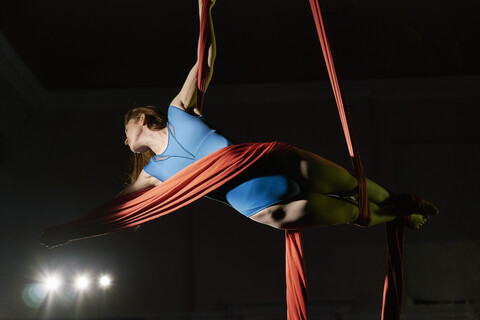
[205,39]
[395,233]
[295,268]
[297,307]
[392,291]
[186,186]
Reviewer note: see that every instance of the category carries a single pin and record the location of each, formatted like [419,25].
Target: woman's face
[134,131]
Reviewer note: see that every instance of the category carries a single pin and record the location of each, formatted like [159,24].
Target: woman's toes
[417,220]
[429,209]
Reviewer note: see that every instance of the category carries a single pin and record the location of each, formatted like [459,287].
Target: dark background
[70,69]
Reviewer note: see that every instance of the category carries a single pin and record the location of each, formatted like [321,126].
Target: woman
[298,189]
[288,190]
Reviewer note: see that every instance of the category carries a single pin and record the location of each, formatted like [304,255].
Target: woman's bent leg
[326,198]
[326,177]
[317,210]
[326,210]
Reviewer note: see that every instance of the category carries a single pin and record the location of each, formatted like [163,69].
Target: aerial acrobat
[291,189]
[180,158]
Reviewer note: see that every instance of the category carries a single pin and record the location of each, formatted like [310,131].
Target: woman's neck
[158,140]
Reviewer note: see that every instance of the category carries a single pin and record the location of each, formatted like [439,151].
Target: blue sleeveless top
[190,139]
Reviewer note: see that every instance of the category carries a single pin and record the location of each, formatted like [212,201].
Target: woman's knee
[327,210]
[324,176]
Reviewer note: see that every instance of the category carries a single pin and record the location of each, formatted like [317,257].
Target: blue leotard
[190,139]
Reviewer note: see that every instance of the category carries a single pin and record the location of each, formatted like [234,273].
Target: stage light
[104,281]
[82,283]
[52,283]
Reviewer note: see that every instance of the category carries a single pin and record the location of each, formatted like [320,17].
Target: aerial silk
[181,189]
[211,172]
[206,38]
[392,295]
[295,276]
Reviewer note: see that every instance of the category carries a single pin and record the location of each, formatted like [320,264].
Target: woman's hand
[52,237]
[143,181]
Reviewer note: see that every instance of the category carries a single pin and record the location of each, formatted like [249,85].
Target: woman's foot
[428,209]
[417,221]
[413,221]
[407,204]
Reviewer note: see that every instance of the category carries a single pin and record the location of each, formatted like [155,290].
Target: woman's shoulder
[176,114]
[179,111]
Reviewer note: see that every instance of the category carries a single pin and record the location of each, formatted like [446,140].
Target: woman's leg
[315,209]
[329,188]
[326,210]
[325,177]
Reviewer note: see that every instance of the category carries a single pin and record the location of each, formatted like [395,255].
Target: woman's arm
[59,235]
[143,181]
[187,97]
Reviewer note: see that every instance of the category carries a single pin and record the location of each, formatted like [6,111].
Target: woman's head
[155,119]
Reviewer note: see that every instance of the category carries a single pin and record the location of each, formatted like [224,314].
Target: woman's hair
[156,119]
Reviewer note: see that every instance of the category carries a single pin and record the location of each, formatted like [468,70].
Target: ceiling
[106,44]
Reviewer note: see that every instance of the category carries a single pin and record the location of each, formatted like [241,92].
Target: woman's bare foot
[413,221]
[417,221]
[428,209]
[408,203]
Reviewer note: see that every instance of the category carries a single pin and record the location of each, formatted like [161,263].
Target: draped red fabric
[343,111]
[296,286]
[394,278]
[186,186]
[392,293]
[205,39]
[295,276]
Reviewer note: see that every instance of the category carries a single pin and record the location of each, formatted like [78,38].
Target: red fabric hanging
[295,275]
[343,111]
[395,233]
[205,39]
[392,291]
[297,308]
[184,187]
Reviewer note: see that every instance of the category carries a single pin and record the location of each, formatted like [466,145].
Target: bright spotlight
[82,283]
[52,283]
[104,281]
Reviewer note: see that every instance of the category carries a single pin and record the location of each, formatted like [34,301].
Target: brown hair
[156,119]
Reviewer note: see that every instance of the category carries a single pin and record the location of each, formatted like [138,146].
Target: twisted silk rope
[392,296]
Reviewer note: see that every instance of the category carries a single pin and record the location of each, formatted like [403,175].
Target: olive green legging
[330,189]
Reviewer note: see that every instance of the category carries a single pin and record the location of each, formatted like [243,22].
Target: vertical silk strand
[295,276]
[395,234]
[205,39]
[295,270]
[392,293]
